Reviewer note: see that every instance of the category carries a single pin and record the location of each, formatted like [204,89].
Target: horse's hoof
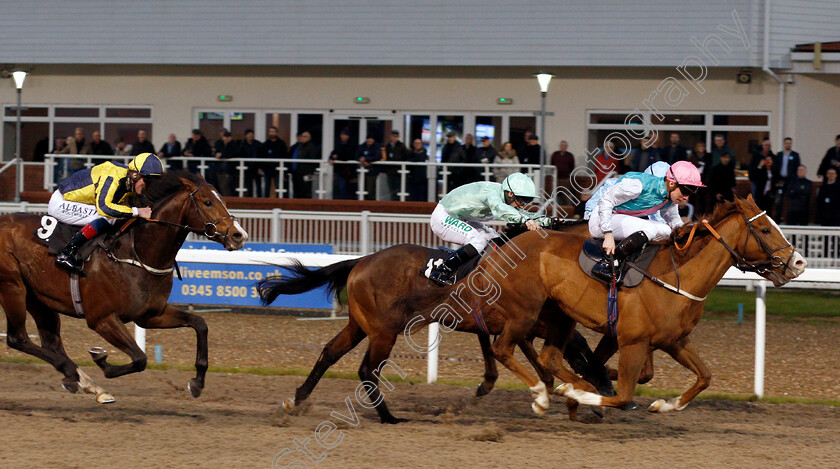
[70,386]
[538,410]
[98,354]
[288,404]
[392,420]
[194,387]
[563,389]
[105,398]
[483,389]
[599,411]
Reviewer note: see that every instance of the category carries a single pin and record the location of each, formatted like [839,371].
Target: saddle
[55,235]
[593,253]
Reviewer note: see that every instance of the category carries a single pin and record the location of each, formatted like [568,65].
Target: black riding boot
[604,269]
[66,258]
[443,275]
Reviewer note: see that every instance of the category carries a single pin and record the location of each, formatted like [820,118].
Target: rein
[209,232]
[741,263]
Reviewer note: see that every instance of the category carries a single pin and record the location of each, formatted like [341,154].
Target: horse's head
[209,212]
[765,248]
[200,208]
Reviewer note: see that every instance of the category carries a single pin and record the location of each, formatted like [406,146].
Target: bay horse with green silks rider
[650,317]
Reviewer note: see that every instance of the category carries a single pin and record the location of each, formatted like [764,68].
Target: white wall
[175,92]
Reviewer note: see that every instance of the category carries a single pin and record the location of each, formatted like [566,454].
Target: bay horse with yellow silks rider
[130,282]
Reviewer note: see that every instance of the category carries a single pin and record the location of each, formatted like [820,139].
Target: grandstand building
[743,68]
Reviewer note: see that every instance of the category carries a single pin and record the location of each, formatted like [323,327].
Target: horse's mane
[721,211]
[160,188]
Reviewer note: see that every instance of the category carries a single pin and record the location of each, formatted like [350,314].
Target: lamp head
[19,76]
[544,78]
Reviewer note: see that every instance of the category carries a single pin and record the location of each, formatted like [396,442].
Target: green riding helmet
[522,186]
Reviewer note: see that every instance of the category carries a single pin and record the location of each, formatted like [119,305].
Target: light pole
[19,76]
[544,78]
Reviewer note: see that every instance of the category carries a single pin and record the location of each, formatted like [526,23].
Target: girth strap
[76,295]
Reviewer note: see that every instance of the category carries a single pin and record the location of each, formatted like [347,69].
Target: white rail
[437,175]
[361,233]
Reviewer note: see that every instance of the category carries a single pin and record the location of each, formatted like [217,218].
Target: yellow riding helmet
[147,164]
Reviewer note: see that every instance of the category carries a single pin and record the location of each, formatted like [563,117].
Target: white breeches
[460,232]
[73,213]
[625,225]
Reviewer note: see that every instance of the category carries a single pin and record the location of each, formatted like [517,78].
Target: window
[43,126]
[490,127]
[743,132]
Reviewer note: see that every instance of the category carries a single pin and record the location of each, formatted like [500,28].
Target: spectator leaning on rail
[831,158]
[674,152]
[222,173]
[458,216]
[645,155]
[798,196]
[99,146]
[275,147]
[345,176]
[484,154]
[417,179]
[395,150]
[722,181]
[452,152]
[170,149]
[564,161]
[763,176]
[254,177]
[97,197]
[142,145]
[828,200]
[506,156]
[197,146]
[719,147]
[635,195]
[368,153]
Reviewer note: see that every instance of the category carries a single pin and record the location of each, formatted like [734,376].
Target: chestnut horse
[373,283]
[113,293]
[650,316]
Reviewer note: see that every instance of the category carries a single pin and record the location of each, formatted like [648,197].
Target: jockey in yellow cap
[96,197]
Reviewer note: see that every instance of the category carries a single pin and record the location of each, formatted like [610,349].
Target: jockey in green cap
[457,218]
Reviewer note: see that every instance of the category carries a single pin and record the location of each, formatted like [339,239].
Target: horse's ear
[750,198]
[188,184]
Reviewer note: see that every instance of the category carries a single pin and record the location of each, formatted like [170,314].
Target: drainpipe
[766,67]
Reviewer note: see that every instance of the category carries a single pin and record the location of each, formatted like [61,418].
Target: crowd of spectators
[778,180]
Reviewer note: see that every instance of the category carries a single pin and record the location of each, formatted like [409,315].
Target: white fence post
[275,225]
[432,358]
[760,324]
[140,337]
[364,232]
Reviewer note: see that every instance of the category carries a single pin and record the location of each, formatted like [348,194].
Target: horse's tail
[303,280]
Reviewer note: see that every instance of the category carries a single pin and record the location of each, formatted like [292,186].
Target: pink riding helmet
[684,173]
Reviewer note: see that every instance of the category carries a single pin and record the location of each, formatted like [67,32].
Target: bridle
[210,230]
[773,261]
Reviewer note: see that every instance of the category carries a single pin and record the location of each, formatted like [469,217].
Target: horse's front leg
[173,317]
[491,372]
[686,355]
[631,359]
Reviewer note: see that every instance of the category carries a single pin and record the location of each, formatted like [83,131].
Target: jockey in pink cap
[616,217]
